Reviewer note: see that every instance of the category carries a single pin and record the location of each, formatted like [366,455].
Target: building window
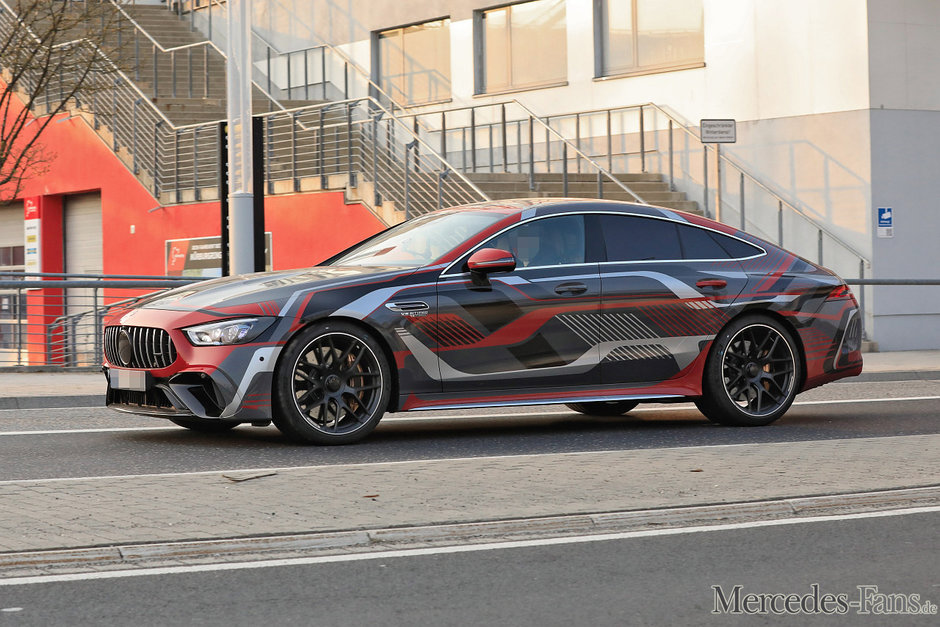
[12,303]
[520,46]
[414,62]
[641,36]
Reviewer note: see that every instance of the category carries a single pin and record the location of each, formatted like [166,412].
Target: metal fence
[56,320]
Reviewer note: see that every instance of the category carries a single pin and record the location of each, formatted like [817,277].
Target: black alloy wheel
[331,385]
[752,373]
[603,408]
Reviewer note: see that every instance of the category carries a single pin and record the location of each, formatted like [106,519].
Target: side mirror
[487,260]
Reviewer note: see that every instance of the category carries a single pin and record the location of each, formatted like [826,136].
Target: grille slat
[151,348]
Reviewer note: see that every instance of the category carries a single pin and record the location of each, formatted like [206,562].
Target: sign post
[718,132]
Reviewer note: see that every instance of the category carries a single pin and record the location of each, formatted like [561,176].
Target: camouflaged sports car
[597,305]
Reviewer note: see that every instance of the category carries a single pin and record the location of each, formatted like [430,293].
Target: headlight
[227,332]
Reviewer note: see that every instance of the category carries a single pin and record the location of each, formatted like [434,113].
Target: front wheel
[331,385]
[603,408]
[752,373]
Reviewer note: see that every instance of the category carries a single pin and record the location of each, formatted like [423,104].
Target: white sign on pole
[718,131]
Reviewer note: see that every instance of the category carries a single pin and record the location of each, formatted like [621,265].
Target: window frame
[480,87]
[601,30]
[761,251]
[377,61]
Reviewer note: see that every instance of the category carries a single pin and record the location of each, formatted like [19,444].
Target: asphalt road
[647,580]
[87,442]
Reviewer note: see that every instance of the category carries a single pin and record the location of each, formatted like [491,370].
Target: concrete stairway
[650,186]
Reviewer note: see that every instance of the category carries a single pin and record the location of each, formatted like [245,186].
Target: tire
[331,385]
[752,373]
[603,408]
[204,425]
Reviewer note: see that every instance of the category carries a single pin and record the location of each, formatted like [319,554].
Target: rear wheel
[331,385]
[752,373]
[603,408]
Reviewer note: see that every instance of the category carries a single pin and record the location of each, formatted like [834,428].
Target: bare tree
[54,54]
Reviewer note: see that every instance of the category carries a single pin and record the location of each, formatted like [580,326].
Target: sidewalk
[22,390]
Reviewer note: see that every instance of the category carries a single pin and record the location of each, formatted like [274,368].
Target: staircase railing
[647,137]
[189,77]
[357,140]
[322,71]
[179,164]
[509,137]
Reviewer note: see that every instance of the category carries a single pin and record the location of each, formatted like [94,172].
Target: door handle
[716,283]
[570,289]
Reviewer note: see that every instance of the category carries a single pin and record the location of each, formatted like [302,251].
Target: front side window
[639,36]
[414,62]
[521,45]
[547,242]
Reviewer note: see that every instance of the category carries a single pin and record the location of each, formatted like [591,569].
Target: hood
[247,290]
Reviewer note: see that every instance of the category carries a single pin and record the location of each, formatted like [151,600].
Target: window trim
[376,59]
[479,53]
[763,251]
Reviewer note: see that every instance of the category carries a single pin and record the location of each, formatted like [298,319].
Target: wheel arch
[372,331]
[785,322]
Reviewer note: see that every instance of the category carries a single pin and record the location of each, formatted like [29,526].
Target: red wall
[306,228]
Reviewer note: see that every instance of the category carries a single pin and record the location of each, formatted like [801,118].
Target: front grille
[138,347]
[153,398]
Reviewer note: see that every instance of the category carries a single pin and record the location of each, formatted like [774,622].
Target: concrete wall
[904,55]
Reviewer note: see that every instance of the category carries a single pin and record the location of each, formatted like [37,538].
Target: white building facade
[837,104]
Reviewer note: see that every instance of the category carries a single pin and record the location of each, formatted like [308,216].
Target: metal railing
[179,164]
[361,140]
[648,138]
[200,73]
[57,319]
[508,137]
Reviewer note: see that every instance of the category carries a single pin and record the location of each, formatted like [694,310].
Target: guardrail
[58,323]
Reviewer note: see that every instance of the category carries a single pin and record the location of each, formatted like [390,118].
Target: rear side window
[699,244]
[632,238]
[637,238]
[737,249]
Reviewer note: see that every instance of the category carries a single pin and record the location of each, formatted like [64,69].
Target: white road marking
[471,548]
[424,417]
[101,430]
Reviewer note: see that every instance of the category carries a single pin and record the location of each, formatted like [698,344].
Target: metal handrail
[534,118]
[760,184]
[375,105]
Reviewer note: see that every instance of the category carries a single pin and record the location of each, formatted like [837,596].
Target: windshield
[420,241]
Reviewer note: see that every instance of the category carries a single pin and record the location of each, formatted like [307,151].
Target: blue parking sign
[885,217]
[885,222]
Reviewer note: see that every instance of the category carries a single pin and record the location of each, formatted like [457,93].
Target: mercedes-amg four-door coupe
[599,305]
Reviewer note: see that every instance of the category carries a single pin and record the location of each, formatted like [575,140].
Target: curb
[264,548]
